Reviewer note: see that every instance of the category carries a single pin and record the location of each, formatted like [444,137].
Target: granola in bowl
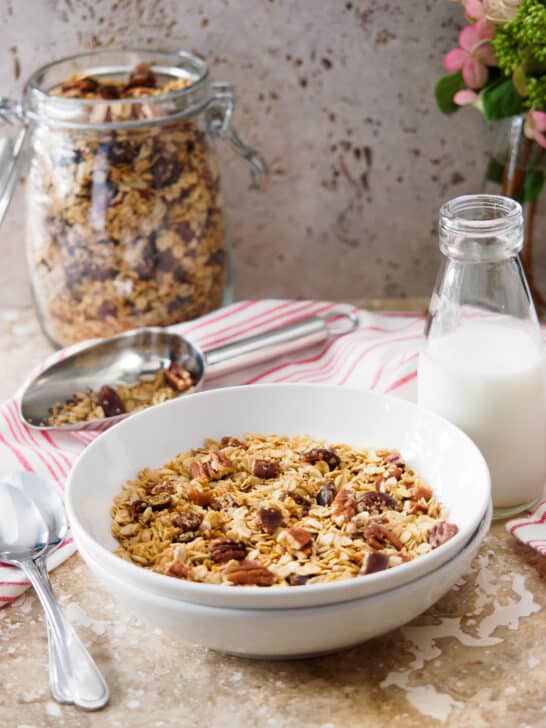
[125,225]
[270,510]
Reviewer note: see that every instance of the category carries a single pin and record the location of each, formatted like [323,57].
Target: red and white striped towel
[531,528]
[381,354]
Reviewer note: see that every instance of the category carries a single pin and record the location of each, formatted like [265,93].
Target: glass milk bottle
[482,364]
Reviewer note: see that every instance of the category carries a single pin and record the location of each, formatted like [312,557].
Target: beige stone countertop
[477,658]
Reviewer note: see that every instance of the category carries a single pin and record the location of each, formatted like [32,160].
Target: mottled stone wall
[337,95]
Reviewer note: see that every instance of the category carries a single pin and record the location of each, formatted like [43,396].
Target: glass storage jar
[124,218]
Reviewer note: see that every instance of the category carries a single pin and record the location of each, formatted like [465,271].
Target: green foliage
[445,90]
[536,91]
[501,100]
[532,185]
[521,44]
[495,171]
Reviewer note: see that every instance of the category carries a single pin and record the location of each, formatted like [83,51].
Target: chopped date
[180,276]
[185,232]
[142,75]
[160,502]
[109,400]
[224,549]
[269,519]
[330,457]
[187,521]
[441,532]
[297,579]
[376,561]
[376,502]
[119,152]
[165,172]
[137,507]
[326,494]
[265,469]
[108,91]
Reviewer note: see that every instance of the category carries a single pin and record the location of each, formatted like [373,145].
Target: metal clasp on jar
[11,158]
[218,114]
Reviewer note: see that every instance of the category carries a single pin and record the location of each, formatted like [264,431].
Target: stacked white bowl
[282,622]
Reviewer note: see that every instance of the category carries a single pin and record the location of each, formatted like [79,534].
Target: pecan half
[343,506]
[299,537]
[228,441]
[376,562]
[187,521]
[177,377]
[224,549]
[248,573]
[330,457]
[441,532]
[199,497]
[199,470]
[265,469]
[109,400]
[377,536]
[422,491]
[326,494]
[163,488]
[178,570]
[84,85]
[376,502]
[269,519]
[219,465]
[396,459]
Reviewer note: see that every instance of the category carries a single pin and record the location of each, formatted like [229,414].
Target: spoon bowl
[23,532]
[142,353]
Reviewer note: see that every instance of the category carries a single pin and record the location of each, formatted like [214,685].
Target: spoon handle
[58,680]
[87,687]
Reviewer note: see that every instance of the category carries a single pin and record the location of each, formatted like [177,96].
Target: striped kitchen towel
[381,354]
[531,528]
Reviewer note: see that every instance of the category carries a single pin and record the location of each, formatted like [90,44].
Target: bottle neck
[481,229]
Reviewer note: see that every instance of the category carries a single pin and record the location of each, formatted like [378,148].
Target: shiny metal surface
[125,358]
[25,540]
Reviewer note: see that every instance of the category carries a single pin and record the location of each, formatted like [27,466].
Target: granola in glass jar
[125,225]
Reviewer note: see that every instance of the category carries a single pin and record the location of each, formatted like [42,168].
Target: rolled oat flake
[124,213]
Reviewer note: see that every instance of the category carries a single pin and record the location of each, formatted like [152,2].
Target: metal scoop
[141,353]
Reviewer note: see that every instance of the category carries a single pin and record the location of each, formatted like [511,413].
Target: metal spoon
[24,538]
[125,358]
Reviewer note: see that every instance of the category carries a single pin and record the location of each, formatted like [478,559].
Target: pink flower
[535,127]
[474,54]
[475,10]
[465,97]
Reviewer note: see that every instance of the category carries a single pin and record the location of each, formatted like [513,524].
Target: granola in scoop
[110,401]
[277,511]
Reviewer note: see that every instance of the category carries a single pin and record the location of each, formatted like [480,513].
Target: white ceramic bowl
[446,458]
[282,633]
